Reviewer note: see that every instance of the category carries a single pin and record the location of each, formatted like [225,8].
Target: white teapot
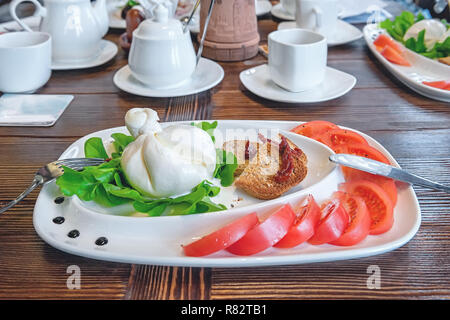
[76,26]
[162,54]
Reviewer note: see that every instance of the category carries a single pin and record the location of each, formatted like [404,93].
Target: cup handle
[318,13]
[40,11]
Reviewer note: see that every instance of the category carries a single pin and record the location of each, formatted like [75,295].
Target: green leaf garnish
[208,127]
[397,29]
[226,165]
[94,148]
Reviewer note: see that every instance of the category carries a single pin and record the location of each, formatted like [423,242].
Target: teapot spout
[101,16]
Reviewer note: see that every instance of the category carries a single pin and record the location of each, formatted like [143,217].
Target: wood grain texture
[416,130]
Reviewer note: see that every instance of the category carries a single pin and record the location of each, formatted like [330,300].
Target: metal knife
[382,169]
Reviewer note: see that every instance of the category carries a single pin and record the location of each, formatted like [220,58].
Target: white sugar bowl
[162,55]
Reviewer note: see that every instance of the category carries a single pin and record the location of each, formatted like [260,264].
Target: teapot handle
[40,11]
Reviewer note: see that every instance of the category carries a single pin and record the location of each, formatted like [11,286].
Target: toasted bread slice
[238,148]
[445,60]
[258,177]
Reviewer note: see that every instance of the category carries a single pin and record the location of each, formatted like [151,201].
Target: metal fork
[52,171]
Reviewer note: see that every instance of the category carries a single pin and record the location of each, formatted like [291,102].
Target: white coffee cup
[317,15]
[288,6]
[297,59]
[25,61]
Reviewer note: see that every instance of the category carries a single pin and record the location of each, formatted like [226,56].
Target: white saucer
[207,75]
[336,84]
[263,7]
[345,32]
[279,12]
[107,51]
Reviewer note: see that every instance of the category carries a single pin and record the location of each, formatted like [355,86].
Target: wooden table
[416,130]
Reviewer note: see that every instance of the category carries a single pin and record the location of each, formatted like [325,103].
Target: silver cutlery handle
[186,25]
[382,169]
[205,28]
[37,181]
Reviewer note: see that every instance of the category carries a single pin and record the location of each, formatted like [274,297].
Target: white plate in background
[421,69]
[345,32]
[207,75]
[336,83]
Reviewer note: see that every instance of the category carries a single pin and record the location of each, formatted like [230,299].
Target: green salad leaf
[226,162]
[94,148]
[106,185]
[397,29]
[206,126]
[198,201]
[121,141]
[226,165]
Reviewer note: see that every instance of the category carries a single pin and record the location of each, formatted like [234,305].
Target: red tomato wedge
[314,129]
[266,234]
[368,152]
[337,137]
[361,150]
[304,225]
[358,228]
[222,238]
[393,56]
[380,207]
[386,184]
[444,85]
[384,40]
[335,220]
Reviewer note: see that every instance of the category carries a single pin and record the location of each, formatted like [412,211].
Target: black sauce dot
[59,200]
[59,220]
[73,234]
[101,241]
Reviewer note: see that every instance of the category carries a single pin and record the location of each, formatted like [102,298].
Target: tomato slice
[335,220]
[360,221]
[386,184]
[222,238]
[380,207]
[338,137]
[384,40]
[314,129]
[444,85]
[361,150]
[266,234]
[393,56]
[304,225]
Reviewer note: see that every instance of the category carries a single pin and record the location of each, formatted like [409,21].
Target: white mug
[297,59]
[25,61]
[317,15]
[288,6]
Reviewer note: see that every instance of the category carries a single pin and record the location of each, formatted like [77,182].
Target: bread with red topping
[261,176]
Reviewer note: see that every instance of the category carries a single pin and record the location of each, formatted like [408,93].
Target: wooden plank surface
[416,130]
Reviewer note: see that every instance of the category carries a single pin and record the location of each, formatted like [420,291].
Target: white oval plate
[421,69]
[258,81]
[158,240]
[279,12]
[345,32]
[207,75]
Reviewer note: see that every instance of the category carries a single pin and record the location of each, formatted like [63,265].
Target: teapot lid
[161,27]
